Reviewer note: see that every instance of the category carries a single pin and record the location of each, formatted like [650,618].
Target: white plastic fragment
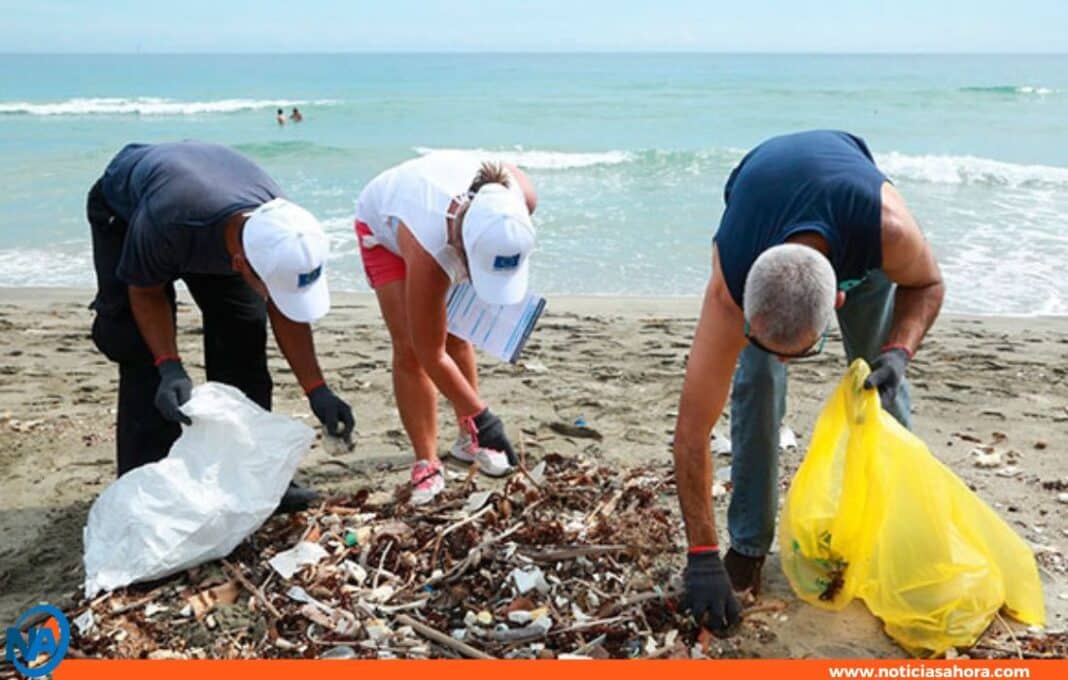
[459,634]
[520,616]
[527,580]
[354,571]
[669,639]
[535,366]
[151,609]
[538,473]
[986,458]
[85,622]
[339,652]
[1062,497]
[721,445]
[476,500]
[298,594]
[381,593]
[542,623]
[787,438]
[377,630]
[719,489]
[301,555]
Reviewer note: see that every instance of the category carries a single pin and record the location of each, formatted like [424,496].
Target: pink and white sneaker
[428,480]
[490,462]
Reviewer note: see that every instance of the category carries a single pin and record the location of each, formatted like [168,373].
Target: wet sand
[616,363]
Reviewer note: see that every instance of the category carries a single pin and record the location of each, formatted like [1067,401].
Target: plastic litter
[223,478]
[525,581]
[293,560]
[476,500]
[871,514]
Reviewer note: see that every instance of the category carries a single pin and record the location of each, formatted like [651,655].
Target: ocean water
[629,152]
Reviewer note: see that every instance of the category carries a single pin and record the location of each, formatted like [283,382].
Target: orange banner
[561,670]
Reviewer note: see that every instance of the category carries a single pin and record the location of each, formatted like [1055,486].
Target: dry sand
[616,363]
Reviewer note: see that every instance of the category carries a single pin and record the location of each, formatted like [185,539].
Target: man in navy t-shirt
[207,215]
[811,229]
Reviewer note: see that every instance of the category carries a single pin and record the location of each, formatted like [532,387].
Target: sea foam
[147,106]
[938,169]
[546,160]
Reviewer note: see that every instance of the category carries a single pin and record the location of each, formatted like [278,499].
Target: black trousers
[235,341]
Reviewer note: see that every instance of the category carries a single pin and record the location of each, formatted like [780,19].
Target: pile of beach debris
[569,559]
[565,559]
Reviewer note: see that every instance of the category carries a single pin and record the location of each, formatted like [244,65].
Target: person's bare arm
[718,341]
[427,286]
[909,262]
[298,347]
[155,319]
[525,184]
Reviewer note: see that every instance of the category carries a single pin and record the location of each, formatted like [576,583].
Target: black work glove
[887,373]
[332,412]
[708,596]
[489,433]
[175,388]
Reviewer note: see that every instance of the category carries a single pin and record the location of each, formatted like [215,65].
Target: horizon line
[658,51]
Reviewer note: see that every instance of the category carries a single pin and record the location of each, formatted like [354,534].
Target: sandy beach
[617,363]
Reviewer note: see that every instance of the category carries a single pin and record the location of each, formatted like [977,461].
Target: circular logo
[51,637]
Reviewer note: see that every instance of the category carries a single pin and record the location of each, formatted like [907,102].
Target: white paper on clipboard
[501,330]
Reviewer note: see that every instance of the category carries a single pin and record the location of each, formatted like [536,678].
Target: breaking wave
[547,160]
[148,106]
[938,169]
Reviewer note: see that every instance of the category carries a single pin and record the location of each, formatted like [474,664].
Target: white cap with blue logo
[498,238]
[287,248]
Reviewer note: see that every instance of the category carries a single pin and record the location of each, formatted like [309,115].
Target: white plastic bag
[222,479]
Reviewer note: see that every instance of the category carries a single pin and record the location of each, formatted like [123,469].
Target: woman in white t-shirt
[423,226]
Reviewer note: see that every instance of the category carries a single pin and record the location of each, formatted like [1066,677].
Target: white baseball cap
[498,238]
[286,246]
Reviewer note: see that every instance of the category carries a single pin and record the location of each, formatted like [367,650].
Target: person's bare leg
[463,353]
[417,398]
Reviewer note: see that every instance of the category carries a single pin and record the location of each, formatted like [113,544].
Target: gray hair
[791,290]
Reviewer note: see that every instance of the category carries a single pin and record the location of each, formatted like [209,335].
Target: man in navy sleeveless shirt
[812,228]
[207,215]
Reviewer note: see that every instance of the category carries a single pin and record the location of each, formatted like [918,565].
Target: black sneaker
[744,571]
[296,499]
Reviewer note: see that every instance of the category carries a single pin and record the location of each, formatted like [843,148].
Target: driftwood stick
[591,624]
[638,599]
[472,473]
[136,604]
[1019,649]
[564,554]
[769,608]
[442,639]
[475,552]
[381,563]
[252,588]
[454,526]
[377,609]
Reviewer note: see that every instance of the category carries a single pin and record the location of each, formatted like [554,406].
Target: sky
[539,25]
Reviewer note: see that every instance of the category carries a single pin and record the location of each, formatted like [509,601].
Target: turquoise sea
[629,152]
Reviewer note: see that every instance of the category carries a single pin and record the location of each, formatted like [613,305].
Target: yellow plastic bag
[873,514]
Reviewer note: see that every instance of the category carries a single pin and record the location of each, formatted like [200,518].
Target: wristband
[314,386]
[166,357]
[897,345]
[699,549]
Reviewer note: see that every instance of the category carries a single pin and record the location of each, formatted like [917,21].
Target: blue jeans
[758,402]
